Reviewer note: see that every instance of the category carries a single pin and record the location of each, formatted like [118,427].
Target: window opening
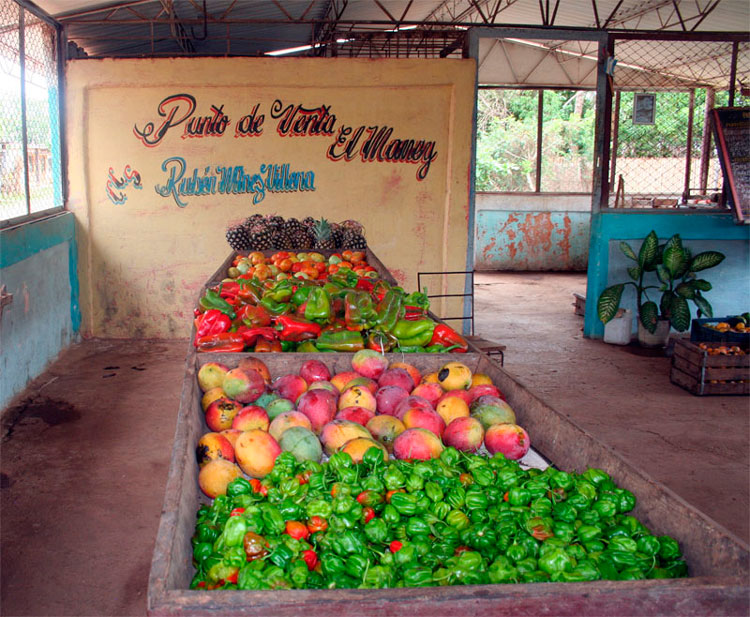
[31,178]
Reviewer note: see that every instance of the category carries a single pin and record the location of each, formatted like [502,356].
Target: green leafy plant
[675,270]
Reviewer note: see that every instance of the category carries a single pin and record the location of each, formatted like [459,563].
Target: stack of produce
[340,311]
[261,233]
[307,266]
[458,519]
[392,407]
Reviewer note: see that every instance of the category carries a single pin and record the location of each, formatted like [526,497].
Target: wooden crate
[702,373]
[718,560]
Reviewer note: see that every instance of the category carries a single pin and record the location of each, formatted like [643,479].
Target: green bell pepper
[413,333]
[502,571]
[417,526]
[417,576]
[376,530]
[318,307]
[377,577]
[274,307]
[213,300]
[389,310]
[556,560]
[404,503]
[340,340]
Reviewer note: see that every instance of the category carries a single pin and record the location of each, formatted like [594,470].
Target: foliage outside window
[508,140]
[30,146]
[651,160]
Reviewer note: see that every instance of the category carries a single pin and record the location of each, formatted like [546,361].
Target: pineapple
[323,237]
[252,219]
[276,226]
[238,238]
[337,232]
[285,240]
[353,237]
[301,237]
[261,236]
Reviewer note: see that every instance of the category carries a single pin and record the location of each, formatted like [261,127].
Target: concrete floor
[86,448]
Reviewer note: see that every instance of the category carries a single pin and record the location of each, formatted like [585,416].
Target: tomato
[333,269]
[320,266]
[285,264]
[311,271]
[257,257]
[296,266]
[347,255]
[357,256]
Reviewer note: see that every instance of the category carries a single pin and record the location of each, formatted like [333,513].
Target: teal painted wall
[38,266]
[531,240]
[699,232]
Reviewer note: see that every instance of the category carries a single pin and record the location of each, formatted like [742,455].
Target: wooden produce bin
[717,560]
[702,373]
[372,259]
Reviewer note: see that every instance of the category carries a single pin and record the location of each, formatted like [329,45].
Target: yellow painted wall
[142,262]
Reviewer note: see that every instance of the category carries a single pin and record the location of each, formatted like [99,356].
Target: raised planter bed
[718,561]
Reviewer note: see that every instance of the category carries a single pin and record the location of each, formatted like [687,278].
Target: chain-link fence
[30,150]
[662,154]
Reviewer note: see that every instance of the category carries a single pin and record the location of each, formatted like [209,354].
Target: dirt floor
[86,450]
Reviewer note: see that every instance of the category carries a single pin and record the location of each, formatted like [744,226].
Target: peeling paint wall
[531,232]
[38,267]
[144,255]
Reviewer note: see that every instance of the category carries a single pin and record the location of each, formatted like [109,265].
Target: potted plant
[674,268]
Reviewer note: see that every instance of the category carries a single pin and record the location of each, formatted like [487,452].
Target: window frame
[539,155]
[60,47]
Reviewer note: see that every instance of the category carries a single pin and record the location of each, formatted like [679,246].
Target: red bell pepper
[254,316]
[249,291]
[213,321]
[380,289]
[229,289]
[414,312]
[295,329]
[225,342]
[447,337]
[251,335]
[310,557]
[365,285]
[264,345]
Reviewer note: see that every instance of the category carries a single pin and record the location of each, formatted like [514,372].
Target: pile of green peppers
[460,519]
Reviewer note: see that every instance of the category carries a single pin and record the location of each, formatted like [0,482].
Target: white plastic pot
[619,330]
[659,338]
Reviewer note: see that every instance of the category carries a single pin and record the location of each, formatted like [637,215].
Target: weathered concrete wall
[148,171]
[38,267]
[531,232]
[699,232]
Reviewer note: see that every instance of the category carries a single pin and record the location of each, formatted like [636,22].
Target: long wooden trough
[718,561]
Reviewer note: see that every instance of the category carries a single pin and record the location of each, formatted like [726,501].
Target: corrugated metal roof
[375,28]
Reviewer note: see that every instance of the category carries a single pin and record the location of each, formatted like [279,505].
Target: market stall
[716,562]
